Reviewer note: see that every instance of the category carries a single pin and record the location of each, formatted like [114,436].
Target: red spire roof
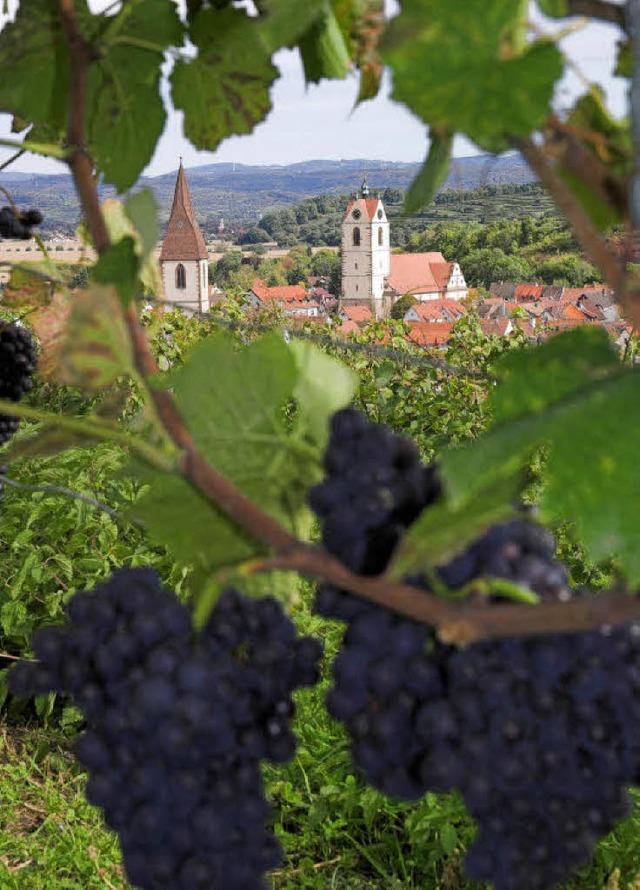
[183,240]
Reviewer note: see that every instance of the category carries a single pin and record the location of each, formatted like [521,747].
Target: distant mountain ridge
[242,193]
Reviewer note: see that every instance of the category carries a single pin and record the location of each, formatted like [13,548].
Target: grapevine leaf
[324,386]
[451,58]
[624,65]
[557,9]
[142,210]
[45,443]
[367,25]
[323,50]
[446,528]
[49,323]
[196,531]
[284,21]
[225,90]
[120,225]
[233,402]
[572,395]
[96,349]
[33,50]
[124,89]
[118,265]
[30,284]
[432,173]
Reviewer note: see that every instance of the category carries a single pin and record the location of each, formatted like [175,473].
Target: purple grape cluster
[178,723]
[18,224]
[541,736]
[17,364]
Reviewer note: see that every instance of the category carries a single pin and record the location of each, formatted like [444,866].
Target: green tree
[401,305]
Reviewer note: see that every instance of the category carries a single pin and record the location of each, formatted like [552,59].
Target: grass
[337,833]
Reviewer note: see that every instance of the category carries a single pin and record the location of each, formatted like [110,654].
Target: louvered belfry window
[356,237]
[181,277]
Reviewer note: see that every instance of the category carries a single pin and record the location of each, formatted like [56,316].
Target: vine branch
[597,9]
[592,241]
[455,622]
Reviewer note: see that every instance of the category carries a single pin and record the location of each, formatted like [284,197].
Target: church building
[183,258]
[372,276]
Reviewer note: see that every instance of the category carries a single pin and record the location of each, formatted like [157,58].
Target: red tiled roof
[413,272]
[495,326]
[357,313]
[287,293]
[369,206]
[298,305]
[348,327]
[183,240]
[528,292]
[431,310]
[589,308]
[429,333]
[442,273]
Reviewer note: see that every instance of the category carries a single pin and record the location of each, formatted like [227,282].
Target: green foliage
[231,62]
[573,395]
[432,173]
[233,401]
[402,305]
[477,59]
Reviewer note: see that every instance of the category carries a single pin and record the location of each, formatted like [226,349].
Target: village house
[375,277]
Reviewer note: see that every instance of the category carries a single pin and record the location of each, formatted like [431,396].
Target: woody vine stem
[455,622]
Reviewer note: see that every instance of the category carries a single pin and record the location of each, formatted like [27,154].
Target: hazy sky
[319,121]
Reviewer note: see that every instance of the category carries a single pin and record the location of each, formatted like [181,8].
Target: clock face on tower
[356,214]
[379,214]
[180,224]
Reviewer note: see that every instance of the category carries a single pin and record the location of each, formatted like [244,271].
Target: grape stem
[458,623]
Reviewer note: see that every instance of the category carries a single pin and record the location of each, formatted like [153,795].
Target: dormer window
[181,277]
[356,237]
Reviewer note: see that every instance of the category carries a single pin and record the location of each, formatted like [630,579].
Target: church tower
[184,258]
[366,252]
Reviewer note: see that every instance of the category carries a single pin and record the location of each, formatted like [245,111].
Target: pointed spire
[364,189]
[184,239]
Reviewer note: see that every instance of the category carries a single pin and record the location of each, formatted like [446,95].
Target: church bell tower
[183,258]
[366,252]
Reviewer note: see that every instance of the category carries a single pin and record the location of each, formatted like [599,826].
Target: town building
[184,258]
[372,276]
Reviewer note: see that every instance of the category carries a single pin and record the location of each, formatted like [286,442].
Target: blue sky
[319,121]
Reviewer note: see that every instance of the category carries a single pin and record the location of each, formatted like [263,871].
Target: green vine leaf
[124,87]
[118,265]
[445,529]
[432,173]
[142,210]
[324,385]
[225,90]
[323,50]
[234,402]
[33,50]
[573,395]
[462,67]
[557,9]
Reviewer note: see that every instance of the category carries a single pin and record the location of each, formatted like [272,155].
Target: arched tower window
[181,277]
[380,236]
[356,237]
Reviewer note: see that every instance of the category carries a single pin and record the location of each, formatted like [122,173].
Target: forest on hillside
[316,221]
[526,248]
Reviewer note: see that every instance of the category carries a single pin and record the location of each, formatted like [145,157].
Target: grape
[17,363]
[178,723]
[540,735]
[16,224]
